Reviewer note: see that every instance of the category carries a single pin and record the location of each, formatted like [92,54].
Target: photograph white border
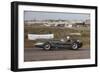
[34,64]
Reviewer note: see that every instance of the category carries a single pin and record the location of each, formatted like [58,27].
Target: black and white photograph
[56,36]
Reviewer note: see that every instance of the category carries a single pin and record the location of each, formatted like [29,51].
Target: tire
[47,46]
[75,46]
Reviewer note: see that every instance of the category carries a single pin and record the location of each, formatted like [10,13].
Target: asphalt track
[38,54]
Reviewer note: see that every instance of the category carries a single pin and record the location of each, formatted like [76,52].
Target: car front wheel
[47,46]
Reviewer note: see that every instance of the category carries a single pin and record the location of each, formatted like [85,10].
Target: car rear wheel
[74,46]
[47,46]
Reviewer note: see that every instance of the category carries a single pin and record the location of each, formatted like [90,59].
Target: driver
[68,38]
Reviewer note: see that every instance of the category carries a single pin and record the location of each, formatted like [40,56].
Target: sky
[36,15]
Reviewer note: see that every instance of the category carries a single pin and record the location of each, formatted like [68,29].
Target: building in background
[58,23]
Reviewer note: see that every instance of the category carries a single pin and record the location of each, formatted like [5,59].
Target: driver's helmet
[68,37]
